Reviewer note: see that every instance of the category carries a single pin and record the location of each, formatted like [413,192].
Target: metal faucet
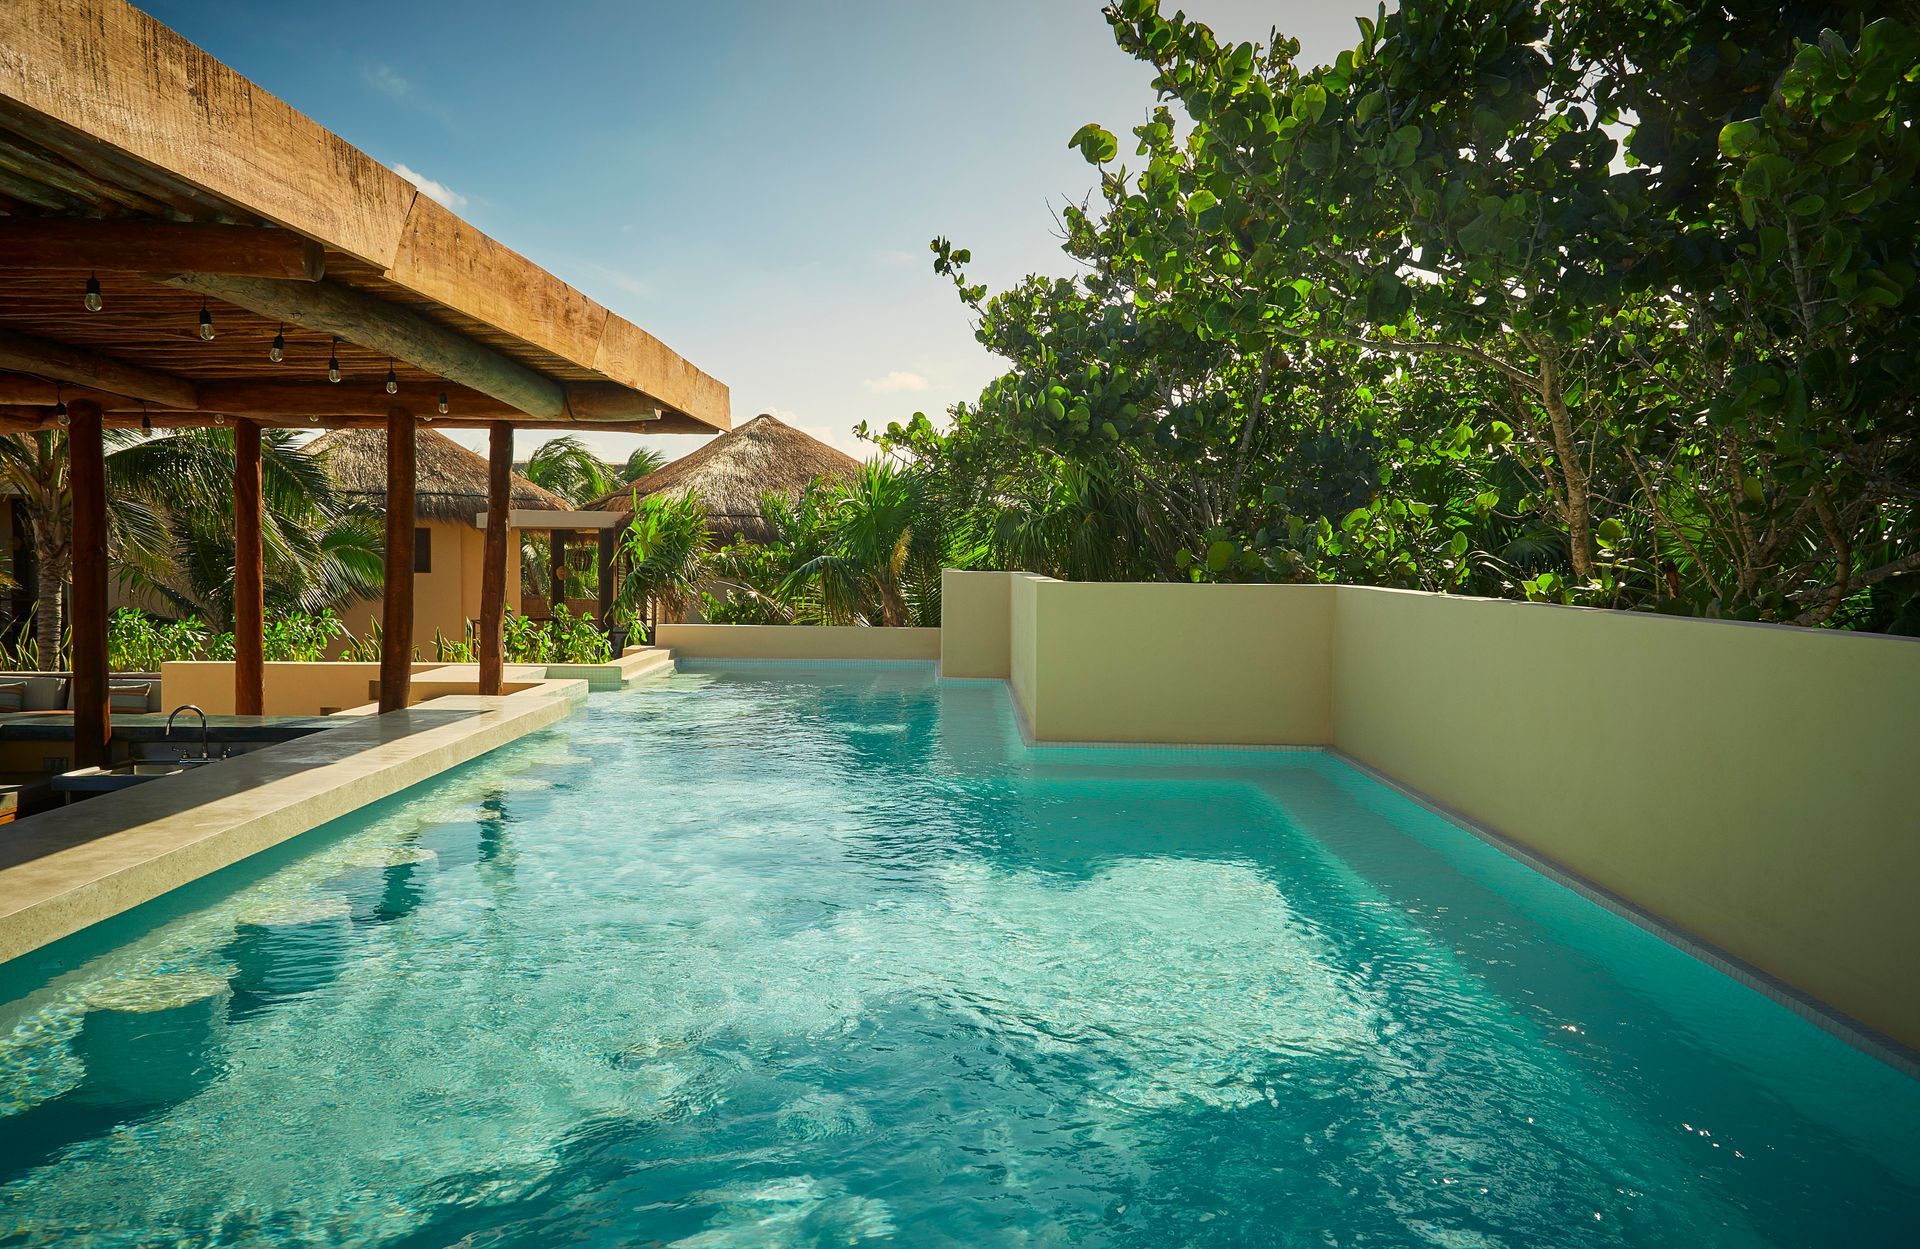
[206,751]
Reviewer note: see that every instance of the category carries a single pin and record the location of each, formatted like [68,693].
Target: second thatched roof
[735,470]
[451,481]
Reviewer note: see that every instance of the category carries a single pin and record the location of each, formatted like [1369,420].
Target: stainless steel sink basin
[122,775]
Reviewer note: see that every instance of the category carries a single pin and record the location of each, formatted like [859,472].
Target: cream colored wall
[689,641]
[974,622]
[1754,785]
[1136,662]
[291,689]
[449,596]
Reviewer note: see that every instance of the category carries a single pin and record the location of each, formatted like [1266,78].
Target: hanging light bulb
[206,322]
[59,405]
[333,361]
[278,351]
[441,407]
[146,420]
[93,301]
[393,383]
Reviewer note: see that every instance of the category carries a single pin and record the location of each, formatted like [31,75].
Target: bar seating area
[179,248]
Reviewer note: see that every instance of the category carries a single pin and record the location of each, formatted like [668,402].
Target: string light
[206,322]
[393,382]
[59,405]
[146,420]
[92,300]
[333,361]
[441,407]
[278,351]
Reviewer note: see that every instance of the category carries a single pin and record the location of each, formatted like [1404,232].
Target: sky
[754,183]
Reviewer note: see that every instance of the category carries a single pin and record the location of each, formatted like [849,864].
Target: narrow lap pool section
[766,956]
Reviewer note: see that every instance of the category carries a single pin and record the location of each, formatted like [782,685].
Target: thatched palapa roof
[451,480]
[733,471]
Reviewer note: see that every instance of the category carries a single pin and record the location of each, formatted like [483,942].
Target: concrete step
[641,663]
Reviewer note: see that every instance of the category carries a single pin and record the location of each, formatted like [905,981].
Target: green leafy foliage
[1597,303]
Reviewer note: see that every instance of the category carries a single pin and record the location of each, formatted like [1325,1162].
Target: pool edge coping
[214,818]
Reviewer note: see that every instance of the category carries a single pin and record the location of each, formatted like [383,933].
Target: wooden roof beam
[160,247]
[391,330]
[27,354]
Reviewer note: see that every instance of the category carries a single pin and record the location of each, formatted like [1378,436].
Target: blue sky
[755,183]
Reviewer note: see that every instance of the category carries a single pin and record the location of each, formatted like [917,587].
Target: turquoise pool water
[772,956]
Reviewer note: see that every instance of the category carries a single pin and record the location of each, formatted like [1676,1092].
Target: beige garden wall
[291,689]
[974,620]
[1216,664]
[801,642]
[1757,786]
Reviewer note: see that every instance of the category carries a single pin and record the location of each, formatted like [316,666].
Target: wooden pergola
[135,167]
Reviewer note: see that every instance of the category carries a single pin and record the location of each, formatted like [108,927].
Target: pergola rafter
[131,158]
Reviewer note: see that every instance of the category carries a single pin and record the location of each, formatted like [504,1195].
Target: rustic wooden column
[396,609]
[556,571]
[87,477]
[493,572]
[607,548]
[249,575]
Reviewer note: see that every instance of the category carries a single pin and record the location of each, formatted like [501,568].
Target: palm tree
[35,468]
[881,564]
[643,461]
[565,466]
[170,523]
[316,550]
[665,548]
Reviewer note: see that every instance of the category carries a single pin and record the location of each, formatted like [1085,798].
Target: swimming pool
[770,955]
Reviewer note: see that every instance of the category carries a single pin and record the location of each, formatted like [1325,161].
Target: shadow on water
[139,1063]
[282,962]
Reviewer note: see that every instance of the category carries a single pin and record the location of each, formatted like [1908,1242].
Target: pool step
[641,663]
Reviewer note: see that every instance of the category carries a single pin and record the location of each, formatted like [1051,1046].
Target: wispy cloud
[432,190]
[387,81]
[894,382]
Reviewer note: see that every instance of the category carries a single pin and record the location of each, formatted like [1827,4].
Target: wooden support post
[396,608]
[556,571]
[607,548]
[249,575]
[87,476]
[493,572]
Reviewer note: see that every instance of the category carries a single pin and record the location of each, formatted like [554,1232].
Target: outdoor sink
[122,775]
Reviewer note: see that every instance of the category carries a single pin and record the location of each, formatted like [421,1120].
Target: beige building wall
[446,597]
[1757,786]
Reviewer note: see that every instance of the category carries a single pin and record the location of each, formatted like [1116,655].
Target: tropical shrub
[300,636]
[664,549]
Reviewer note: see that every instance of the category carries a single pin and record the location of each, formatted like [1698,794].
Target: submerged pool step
[639,665]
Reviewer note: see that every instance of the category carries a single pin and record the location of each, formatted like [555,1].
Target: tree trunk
[47,614]
[51,554]
[1573,478]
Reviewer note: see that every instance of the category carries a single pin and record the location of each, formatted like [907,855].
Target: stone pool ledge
[64,870]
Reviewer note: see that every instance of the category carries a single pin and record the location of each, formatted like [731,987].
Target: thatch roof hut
[451,480]
[733,471]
